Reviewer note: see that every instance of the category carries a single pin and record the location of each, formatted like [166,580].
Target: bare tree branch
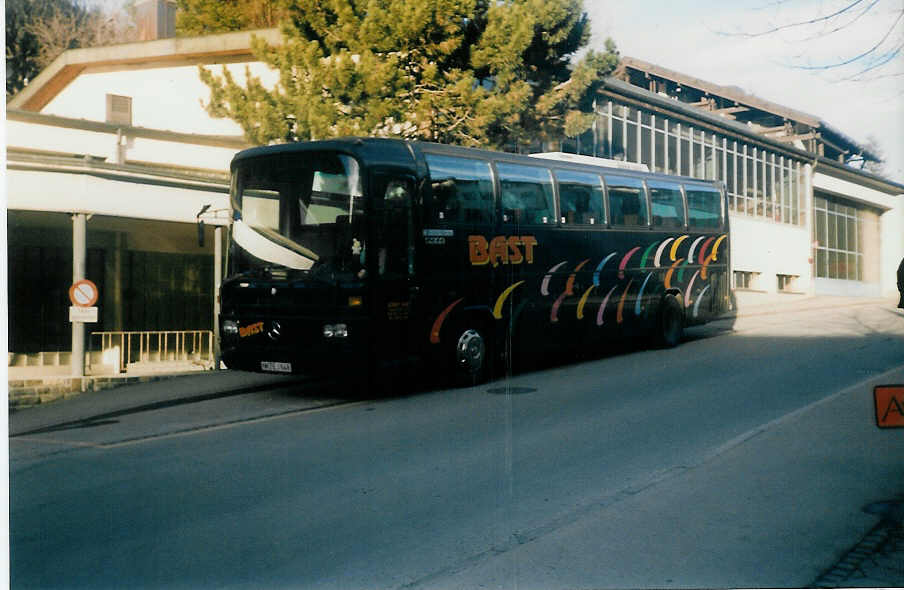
[803,23]
[866,53]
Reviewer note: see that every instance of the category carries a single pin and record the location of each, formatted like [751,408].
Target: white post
[79,255]
[217,279]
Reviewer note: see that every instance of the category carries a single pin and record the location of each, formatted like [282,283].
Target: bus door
[390,257]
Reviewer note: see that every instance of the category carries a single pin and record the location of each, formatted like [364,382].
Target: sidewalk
[146,394]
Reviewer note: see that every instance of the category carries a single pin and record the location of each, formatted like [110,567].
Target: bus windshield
[298,210]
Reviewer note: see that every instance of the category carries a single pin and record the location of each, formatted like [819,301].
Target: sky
[705,39]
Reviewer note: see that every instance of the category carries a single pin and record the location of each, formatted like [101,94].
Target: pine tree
[471,72]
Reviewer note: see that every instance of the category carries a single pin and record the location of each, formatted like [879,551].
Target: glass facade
[760,183]
[838,234]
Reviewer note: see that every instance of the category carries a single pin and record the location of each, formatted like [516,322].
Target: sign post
[83,294]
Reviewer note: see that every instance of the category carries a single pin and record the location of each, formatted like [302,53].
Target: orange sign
[83,293]
[889,406]
[501,250]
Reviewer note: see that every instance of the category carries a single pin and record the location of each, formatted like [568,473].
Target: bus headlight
[335,331]
[230,328]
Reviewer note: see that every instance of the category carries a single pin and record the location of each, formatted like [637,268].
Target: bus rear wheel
[671,322]
[470,357]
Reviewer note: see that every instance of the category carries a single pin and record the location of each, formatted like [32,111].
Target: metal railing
[122,349]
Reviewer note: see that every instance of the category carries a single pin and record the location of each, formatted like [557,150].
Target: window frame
[680,187]
[500,206]
[604,222]
[643,196]
[432,213]
[723,213]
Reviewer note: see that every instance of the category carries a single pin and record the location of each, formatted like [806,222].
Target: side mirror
[201,233]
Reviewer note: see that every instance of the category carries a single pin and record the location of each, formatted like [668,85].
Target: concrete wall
[169,98]
[770,249]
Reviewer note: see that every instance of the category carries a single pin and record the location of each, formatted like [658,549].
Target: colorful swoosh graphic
[438,324]
[619,316]
[659,252]
[668,275]
[673,253]
[640,294]
[681,271]
[497,309]
[599,268]
[583,301]
[624,261]
[599,314]
[544,287]
[699,299]
[690,253]
[703,249]
[715,252]
[687,295]
[646,253]
[569,284]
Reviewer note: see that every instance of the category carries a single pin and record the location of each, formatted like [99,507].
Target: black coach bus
[356,254]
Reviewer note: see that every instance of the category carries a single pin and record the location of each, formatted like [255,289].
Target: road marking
[763,428]
[53,441]
[231,424]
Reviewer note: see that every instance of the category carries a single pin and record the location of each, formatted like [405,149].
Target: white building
[120,134]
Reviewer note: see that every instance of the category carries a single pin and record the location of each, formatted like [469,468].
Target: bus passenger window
[666,204]
[704,207]
[527,195]
[580,198]
[627,204]
[462,190]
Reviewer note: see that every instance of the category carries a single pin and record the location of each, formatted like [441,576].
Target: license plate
[276,367]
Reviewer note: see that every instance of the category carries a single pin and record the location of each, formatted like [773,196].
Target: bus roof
[396,152]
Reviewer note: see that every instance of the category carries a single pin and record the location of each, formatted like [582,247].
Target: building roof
[768,118]
[209,49]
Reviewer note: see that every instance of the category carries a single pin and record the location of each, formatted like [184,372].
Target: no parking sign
[83,295]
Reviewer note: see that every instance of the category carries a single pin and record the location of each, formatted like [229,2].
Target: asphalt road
[743,458]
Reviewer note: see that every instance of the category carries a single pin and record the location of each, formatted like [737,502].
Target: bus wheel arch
[670,319]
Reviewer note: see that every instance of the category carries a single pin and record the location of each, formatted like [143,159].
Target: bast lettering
[251,329]
[501,250]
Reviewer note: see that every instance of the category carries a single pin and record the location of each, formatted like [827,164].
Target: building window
[838,230]
[759,182]
[745,279]
[119,109]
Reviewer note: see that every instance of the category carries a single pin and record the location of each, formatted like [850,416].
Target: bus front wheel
[671,322]
[470,357]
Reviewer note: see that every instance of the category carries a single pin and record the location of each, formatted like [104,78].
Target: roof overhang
[840,140]
[209,49]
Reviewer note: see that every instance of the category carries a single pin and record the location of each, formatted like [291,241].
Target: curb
[26,393]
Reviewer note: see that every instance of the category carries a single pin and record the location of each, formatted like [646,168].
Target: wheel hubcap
[470,351]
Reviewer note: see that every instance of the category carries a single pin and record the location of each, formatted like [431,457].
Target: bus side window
[462,190]
[580,198]
[666,203]
[704,207]
[627,204]
[527,195]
